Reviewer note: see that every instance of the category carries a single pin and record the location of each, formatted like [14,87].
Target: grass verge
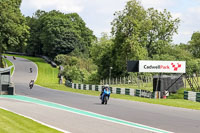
[47,77]
[9,64]
[13,123]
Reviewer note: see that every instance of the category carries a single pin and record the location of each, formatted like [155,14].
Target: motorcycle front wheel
[105,99]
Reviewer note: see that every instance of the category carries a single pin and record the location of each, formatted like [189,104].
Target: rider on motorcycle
[31,84]
[104,87]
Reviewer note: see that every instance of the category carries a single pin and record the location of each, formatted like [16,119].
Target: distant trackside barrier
[115,90]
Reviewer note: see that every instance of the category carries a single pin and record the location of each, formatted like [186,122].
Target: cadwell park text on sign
[162,66]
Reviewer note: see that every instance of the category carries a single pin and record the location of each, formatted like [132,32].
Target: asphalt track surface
[172,119]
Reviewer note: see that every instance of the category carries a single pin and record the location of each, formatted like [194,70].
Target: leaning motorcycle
[31,85]
[105,96]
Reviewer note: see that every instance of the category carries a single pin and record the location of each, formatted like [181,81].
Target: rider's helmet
[106,86]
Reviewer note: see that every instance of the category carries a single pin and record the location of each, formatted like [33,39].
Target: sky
[98,14]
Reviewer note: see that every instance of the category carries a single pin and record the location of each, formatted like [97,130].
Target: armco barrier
[198,96]
[186,95]
[114,90]
[127,91]
[118,90]
[192,96]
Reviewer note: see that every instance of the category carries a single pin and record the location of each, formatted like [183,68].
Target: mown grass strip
[13,123]
[9,63]
[47,77]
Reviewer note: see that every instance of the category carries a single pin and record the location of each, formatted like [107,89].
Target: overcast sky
[98,14]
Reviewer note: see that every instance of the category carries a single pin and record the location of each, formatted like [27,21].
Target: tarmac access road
[172,119]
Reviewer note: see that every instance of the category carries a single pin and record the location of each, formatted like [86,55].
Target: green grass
[9,64]
[13,123]
[47,77]
[179,94]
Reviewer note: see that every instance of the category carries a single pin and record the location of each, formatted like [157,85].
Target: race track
[172,119]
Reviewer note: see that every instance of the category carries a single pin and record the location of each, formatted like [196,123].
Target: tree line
[137,34]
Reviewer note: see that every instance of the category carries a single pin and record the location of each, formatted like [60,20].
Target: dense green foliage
[78,69]
[13,29]
[54,33]
[101,53]
[195,44]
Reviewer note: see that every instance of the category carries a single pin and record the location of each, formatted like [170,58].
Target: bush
[80,70]
[60,59]
[73,74]
[94,78]
[66,60]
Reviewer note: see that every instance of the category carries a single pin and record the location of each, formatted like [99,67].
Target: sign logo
[174,66]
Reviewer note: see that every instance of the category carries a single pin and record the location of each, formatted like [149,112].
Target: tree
[13,29]
[86,35]
[139,34]
[58,33]
[101,53]
[163,27]
[195,44]
[35,45]
[100,47]
[179,53]
[129,29]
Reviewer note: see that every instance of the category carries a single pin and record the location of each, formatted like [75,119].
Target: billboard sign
[162,66]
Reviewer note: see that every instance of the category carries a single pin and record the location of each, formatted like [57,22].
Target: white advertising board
[162,66]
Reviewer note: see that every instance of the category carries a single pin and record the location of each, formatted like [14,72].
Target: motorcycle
[105,96]
[31,70]
[31,84]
